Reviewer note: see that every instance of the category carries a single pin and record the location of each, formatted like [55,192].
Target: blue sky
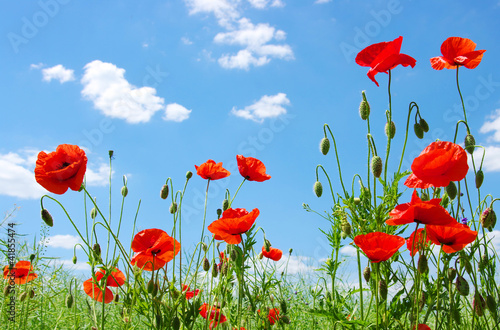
[170,84]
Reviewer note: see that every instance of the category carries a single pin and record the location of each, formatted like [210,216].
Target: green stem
[390,120]
[461,98]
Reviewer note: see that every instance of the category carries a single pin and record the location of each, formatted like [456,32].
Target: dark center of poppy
[64,165]
[155,252]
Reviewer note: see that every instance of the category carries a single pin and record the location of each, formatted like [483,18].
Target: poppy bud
[110,153]
[214,270]
[469,143]
[173,207]
[376,166]
[116,299]
[491,304]
[419,132]
[479,179]
[204,246]
[422,264]
[285,319]
[151,285]
[424,125]
[124,191]
[225,268]
[283,306]
[32,257]
[74,260]
[97,250]
[206,265]
[6,290]
[260,256]
[451,190]
[93,213]
[467,265]
[479,304]
[189,175]
[234,255]
[488,218]
[47,218]
[23,296]
[324,146]
[452,272]
[364,107]
[225,204]
[346,227]
[366,274]
[382,287]
[176,323]
[156,286]
[318,189]
[164,191]
[462,286]
[421,302]
[219,213]
[357,200]
[366,193]
[69,300]
[290,251]
[267,245]
[390,130]
[32,294]
[483,262]
[424,196]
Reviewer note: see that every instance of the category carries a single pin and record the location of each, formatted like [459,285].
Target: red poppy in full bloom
[188,292]
[384,56]
[232,224]
[252,169]
[437,165]
[153,249]
[273,254]
[457,51]
[272,316]
[211,170]
[428,212]
[379,246]
[453,238]
[61,169]
[214,315]
[417,241]
[115,279]
[21,273]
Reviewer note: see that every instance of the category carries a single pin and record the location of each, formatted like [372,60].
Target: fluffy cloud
[267,107]
[98,177]
[63,241]
[105,85]
[492,124]
[322,1]
[67,263]
[262,4]
[491,158]
[57,72]
[226,11]
[176,112]
[349,251]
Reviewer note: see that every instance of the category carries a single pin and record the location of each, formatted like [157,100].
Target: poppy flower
[215,316]
[457,51]
[438,164]
[21,273]
[232,224]
[417,241]
[379,246]
[153,249]
[211,170]
[188,292]
[453,238]
[115,279]
[252,169]
[61,169]
[422,327]
[384,56]
[428,212]
[273,254]
[272,316]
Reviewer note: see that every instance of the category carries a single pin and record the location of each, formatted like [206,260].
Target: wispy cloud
[176,112]
[63,241]
[322,1]
[491,127]
[269,106]
[57,72]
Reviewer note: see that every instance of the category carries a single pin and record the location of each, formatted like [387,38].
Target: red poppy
[457,51]
[273,254]
[222,260]
[379,246]
[211,170]
[437,165]
[61,169]
[232,224]
[418,241]
[215,316]
[189,293]
[422,327]
[384,56]
[453,238]
[115,279]
[153,249]
[272,316]
[252,169]
[428,212]
[21,273]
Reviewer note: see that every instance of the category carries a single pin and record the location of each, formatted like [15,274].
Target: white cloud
[58,72]
[226,11]
[176,112]
[268,106]
[17,178]
[37,66]
[491,158]
[492,124]
[262,4]
[322,1]
[63,241]
[98,177]
[69,264]
[186,41]
[105,85]
[349,251]
[255,39]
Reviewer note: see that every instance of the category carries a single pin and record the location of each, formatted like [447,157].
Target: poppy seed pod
[324,146]
[189,175]
[367,274]
[376,166]
[124,191]
[424,125]
[47,217]
[93,213]
[164,191]
[69,300]
[364,107]
[479,304]
[479,179]
[173,207]
[382,287]
[206,265]
[318,189]
[469,143]
[419,132]
[451,190]
[422,264]
[462,286]
[488,218]
[390,129]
